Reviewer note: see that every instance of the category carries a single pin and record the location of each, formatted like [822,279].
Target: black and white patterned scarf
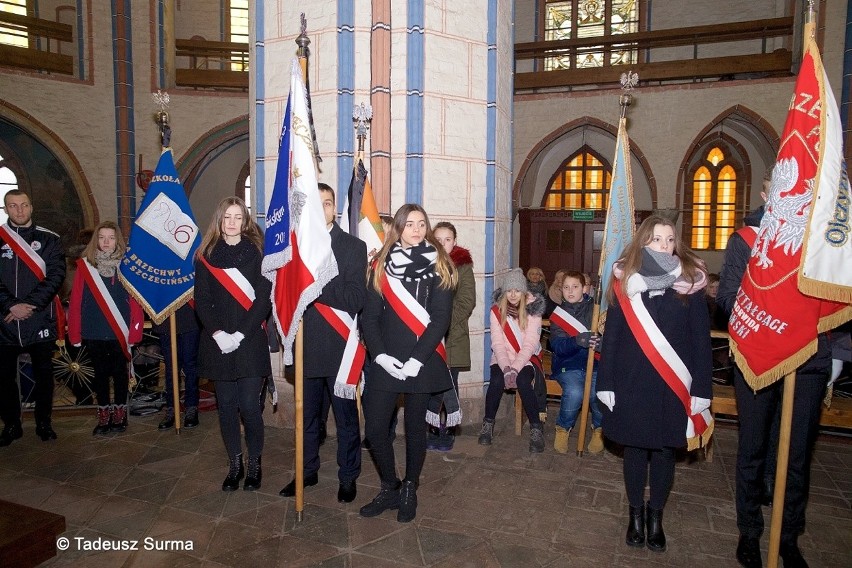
[411,264]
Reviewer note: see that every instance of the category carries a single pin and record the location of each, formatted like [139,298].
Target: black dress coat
[218,310]
[647,414]
[385,332]
[346,291]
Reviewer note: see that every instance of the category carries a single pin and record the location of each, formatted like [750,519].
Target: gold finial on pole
[161,117]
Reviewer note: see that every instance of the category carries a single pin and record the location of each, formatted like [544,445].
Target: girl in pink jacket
[515,347]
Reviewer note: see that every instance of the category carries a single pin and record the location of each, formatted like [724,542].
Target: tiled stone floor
[479,507]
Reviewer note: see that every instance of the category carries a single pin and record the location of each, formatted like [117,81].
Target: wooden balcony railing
[44,38]
[653,64]
[211,64]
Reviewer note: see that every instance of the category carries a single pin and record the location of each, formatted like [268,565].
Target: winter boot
[119,418]
[636,527]
[407,502]
[102,426]
[45,431]
[596,444]
[235,473]
[536,438]
[168,420]
[10,433]
[656,537]
[560,443]
[388,498]
[487,432]
[190,419]
[253,474]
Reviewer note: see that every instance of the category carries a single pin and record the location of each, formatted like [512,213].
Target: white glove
[237,337]
[76,344]
[411,368]
[836,368]
[608,398]
[392,365]
[698,405]
[225,342]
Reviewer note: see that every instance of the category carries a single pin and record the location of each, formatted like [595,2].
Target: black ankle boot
[656,537]
[235,474]
[407,502]
[388,498]
[253,474]
[636,527]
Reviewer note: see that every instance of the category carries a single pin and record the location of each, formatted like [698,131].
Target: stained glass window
[572,19]
[712,198]
[581,182]
[14,35]
[238,30]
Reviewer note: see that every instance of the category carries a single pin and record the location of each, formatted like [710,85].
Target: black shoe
[636,527]
[290,489]
[168,421]
[253,474]
[388,498]
[347,491]
[407,502]
[190,419]
[45,432]
[791,555]
[656,539]
[748,552]
[235,474]
[11,433]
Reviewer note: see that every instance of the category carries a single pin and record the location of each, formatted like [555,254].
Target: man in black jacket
[758,412]
[324,347]
[32,269]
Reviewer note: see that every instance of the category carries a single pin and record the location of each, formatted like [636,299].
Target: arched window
[581,182]
[714,197]
[243,189]
[8,182]
[577,19]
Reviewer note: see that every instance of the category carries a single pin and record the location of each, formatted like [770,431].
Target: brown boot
[560,443]
[596,444]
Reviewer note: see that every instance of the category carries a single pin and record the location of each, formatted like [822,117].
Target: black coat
[647,414]
[347,291]
[18,284]
[218,310]
[385,332]
[737,255]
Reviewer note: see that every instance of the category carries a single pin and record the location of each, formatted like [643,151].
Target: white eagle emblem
[786,217]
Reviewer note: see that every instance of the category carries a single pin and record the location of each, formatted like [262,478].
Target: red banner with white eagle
[774,325]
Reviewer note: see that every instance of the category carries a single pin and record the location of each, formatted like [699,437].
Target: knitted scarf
[413,263]
[107,262]
[659,271]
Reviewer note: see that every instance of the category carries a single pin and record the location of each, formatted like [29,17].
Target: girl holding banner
[655,370]
[515,360]
[107,320]
[232,300]
[406,316]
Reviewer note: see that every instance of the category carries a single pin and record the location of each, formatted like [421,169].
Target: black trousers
[348,428]
[108,360]
[756,412]
[42,365]
[529,399]
[241,399]
[378,415]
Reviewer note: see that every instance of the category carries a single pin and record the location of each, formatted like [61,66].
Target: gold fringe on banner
[701,441]
[788,365]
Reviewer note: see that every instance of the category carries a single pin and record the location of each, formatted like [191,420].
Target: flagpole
[783,459]
[161,117]
[303,41]
[625,101]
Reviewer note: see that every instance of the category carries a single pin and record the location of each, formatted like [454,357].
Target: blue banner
[157,268]
[277,234]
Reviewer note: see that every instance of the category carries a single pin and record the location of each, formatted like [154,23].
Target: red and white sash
[668,364]
[107,305]
[234,282]
[515,336]
[749,234]
[409,310]
[349,373]
[35,263]
[569,324]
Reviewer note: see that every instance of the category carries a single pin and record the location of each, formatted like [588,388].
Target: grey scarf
[106,263]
